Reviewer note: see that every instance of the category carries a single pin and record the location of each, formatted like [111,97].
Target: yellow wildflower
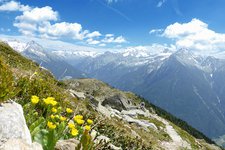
[34,99]
[89,121]
[62,118]
[88,128]
[69,111]
[78,117]
[50,100]
[54,110]
[71,125]
[51,125]
[53,103]
[57,116]
[47,101]
[52,117]
[74,132]
[80,121]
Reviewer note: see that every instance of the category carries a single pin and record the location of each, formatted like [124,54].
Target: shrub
[6,82]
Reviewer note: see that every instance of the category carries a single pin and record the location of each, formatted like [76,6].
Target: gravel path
[177,142]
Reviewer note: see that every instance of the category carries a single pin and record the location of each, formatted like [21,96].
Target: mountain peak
[138,51]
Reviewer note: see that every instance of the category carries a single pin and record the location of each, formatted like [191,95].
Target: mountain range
[190,86]
[34,51]
[118,120]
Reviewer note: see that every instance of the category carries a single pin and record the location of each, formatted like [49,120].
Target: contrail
[115,10]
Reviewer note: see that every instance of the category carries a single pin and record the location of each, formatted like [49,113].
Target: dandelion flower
[51,125]
[89,121]
[69,111]
[62,118]
[71,125]
[50,101]
[34,99]
[74,132]
[80,121]
[78,117]
[53,103]
[88,128]
[54,110]
[52,117]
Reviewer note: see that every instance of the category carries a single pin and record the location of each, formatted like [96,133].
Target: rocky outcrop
[117,101]
[14,132]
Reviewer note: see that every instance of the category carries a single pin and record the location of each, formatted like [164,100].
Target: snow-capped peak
[17,45]
[35,48]
[138,51]
[74,53]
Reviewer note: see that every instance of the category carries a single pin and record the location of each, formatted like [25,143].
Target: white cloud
[93,34]
[37,21]
[44,23]
[109,35]
[102,44]
[62,29]
[195,35]
[111,39]
[156,31]
[13,6]
[160,3]
[93,42]
[37,15]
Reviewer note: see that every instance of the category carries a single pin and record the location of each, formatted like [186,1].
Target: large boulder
[117,101]
[14,133]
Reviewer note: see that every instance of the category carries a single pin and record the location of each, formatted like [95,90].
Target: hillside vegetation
[116,115]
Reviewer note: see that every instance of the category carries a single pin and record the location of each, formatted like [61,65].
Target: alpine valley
[189,86]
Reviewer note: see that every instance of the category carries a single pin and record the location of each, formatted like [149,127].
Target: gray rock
[19,144]
[77,94]
[113,147]
[13,124]
[135,112]
[116,101]
[102,138]
[142,123]
[69,144]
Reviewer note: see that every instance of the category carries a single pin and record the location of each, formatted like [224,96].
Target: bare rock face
[13,124]
[14,133]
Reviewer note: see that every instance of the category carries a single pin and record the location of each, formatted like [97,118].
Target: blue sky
[117,23]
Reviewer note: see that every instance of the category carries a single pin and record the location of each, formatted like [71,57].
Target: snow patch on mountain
[17,45]
[74,53]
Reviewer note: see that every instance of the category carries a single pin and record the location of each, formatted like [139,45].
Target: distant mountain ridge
[60,68]
[187,85]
